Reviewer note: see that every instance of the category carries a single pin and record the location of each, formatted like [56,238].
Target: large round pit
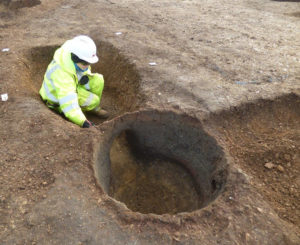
[160,162]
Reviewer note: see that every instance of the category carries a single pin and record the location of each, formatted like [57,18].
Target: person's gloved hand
[84,80]
[88,124]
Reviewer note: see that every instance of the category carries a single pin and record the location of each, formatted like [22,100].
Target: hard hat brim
[92,60]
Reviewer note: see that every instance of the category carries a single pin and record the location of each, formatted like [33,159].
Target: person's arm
[65,88]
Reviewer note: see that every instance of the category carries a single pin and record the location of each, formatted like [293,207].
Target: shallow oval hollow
[160,162]
[122,82]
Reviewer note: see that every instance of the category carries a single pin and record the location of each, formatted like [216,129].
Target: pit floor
[150,184]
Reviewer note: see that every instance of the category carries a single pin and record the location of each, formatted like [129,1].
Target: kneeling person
[69,86]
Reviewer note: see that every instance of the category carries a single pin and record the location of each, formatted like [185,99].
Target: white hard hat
[84,47]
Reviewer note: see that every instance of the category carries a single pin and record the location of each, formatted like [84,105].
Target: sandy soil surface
[234,66]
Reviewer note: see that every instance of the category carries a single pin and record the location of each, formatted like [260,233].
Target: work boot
[99,113]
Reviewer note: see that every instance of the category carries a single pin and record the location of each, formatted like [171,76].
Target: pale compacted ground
[233,65]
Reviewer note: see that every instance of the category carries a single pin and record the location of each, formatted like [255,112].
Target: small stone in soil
[269,165]
[287,157]
[280,168]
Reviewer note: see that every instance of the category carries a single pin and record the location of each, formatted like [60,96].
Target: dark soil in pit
[160,162]
[264,139]
[121,77]
[17,4]
[150,184]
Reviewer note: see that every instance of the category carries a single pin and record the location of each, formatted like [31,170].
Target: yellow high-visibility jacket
[60,87]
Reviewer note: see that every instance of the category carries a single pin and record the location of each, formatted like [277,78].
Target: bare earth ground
[234,65]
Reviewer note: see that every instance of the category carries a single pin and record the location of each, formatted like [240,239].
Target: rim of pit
[190,145]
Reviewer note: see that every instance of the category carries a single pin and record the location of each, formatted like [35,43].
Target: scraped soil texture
[120,77]
[264,139]
[162,162]
[226,78]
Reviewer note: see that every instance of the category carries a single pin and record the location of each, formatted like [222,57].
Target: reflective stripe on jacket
[60,86]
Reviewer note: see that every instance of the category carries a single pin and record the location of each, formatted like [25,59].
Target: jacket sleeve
[65,87]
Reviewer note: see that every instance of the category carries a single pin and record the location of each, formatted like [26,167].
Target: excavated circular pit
[160,162]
